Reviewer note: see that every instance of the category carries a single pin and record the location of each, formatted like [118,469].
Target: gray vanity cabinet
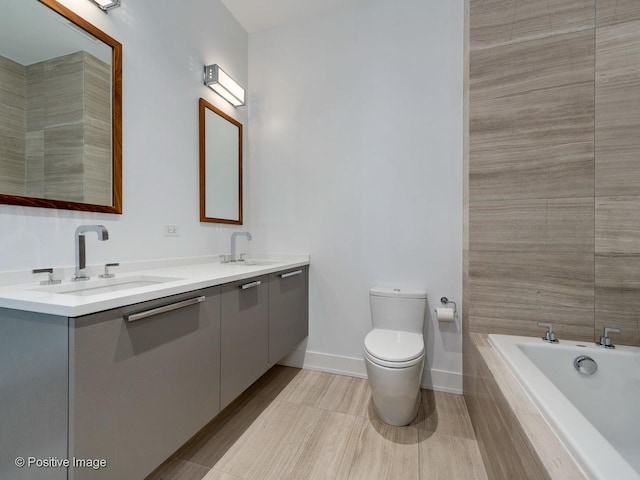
[140,389]
[33,393]
[244,335]
[288,311]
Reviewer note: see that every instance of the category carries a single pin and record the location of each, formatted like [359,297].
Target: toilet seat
[394,348]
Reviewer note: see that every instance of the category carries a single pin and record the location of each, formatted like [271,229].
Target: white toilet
[394,352]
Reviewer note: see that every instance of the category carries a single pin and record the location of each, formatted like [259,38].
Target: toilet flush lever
[549,335]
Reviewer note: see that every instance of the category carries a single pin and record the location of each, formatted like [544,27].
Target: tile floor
[297,424]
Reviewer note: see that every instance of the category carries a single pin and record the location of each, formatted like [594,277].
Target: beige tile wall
[12,121]
[552,180]
[68,147]
[551,190]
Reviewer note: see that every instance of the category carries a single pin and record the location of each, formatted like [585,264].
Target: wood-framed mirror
[60,110]
[220,166]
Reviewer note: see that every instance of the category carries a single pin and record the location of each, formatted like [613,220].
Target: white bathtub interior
[596,417]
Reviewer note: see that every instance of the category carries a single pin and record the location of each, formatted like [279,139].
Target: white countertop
[189,276]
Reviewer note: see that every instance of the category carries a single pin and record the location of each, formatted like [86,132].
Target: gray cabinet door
[33,393]
[139,390]
[244,335]
[288,311]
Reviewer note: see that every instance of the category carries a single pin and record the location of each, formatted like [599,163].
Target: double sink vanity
[118,373]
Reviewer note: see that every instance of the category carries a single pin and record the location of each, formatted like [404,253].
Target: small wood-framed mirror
[220,166]
[60,110]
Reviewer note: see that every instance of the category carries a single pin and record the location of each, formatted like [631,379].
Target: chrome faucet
[81,262]
[235,235]
[605,340]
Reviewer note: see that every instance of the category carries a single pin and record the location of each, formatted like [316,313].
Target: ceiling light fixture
[220,82]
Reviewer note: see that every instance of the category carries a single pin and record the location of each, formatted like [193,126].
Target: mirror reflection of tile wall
[58,141]
[553,173]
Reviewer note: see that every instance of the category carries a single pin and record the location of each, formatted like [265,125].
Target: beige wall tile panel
[12,164]
[534,65]
[562,171]
[35,82]
[218,475]
[516,290]
[618,283]
[618,109]
[533,225]
[97,165]
[63,163]
[496,22]
[536,145]
[12,84]
[618,225]
[627,321]
[553,116]
[611,12]
[63,90]
[35,164]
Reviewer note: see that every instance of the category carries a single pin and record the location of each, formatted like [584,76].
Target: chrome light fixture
[220,82]
[106,5]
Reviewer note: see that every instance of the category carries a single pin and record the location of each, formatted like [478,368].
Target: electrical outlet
[171,231]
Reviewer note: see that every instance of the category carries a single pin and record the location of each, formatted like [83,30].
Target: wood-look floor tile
[276,381]
[533,225]
[446,457]
[618,225]
[618,106]
[213,441]
[385,453]
[337,393]
[215,474]
[177,469]
[290,442]
[445,414]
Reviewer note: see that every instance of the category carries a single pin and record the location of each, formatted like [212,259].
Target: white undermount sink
[106,285]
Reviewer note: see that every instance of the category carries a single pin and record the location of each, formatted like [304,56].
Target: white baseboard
[440,380]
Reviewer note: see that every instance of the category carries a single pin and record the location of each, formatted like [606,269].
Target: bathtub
[597,417]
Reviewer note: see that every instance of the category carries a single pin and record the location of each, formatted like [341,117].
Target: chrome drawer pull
[251,285]
[290,274]
[165,308]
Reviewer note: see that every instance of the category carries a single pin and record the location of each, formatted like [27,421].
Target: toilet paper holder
[446,301]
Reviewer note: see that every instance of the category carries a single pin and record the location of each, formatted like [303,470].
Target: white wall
[165,47]
[355,145]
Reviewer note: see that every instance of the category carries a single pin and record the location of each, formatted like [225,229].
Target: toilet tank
[398,309]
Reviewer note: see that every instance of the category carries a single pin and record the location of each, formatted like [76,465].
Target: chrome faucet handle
[50,280]
[224,258]
[106,273]
[605,341]
[550,335]
[241,259]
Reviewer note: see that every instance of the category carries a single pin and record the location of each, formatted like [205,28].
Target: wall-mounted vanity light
[220,82]
[106,5]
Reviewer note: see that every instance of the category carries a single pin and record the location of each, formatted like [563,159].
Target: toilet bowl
[394,353]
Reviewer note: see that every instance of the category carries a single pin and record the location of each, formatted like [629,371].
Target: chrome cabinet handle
[290,274]
[165,308]
[251,285]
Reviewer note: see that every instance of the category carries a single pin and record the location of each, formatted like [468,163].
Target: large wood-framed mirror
[220,166]
[60,110]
